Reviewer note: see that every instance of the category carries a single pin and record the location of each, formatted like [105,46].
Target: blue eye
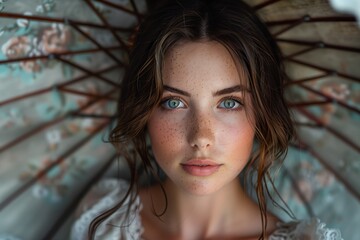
[173,103]
[229,104]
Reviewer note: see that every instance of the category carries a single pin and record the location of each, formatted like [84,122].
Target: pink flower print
[55,39]
[30,66]
[338,91]
[17,47]
[306,189]
[324,178]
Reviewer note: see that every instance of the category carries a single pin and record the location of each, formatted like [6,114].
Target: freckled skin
[201,129]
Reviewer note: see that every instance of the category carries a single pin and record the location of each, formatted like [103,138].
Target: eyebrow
[176,90]
[236,88]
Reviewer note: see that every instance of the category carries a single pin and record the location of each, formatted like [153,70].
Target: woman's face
[200,134]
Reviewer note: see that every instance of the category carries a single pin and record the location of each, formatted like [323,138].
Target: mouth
[201,167]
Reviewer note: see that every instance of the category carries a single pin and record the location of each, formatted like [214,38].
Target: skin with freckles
[202,135]
[203,79]
[205,114]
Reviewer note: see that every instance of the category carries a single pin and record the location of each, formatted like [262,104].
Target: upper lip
[200,162]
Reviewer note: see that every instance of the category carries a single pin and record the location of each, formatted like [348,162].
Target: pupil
[229,104]
[173,103]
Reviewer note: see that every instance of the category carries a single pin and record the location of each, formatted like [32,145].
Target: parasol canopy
[61,64]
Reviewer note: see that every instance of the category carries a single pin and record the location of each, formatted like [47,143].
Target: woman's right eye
[172,103]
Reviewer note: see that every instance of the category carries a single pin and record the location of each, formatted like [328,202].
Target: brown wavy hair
[233,24]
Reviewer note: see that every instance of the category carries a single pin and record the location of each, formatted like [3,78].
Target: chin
[201,187]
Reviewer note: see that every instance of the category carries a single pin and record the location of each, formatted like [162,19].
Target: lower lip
[200,171]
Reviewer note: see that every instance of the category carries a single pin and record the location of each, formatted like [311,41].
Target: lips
[201,167]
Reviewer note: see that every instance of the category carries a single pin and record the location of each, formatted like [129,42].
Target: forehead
[201,62]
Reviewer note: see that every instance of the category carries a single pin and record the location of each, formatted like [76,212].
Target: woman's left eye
[230,104]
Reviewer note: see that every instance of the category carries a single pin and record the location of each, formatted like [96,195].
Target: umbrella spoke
[32,132]
[302,145]
[308,124]
[136,11]
[340,136]
[264,4]
[114,5]
[55,163]
[313,19]
[64,53]
[305,104]
[330,98]
[61,20]
[76,200]
[98,44]
[347,76]
[292,25]
[300,194]
[319,45]
[93,116]
[87,71]
[105,22]
[48,89]
[301,52]
[295,82]
[91,95]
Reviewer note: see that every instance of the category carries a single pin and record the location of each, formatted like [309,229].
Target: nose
[201,131]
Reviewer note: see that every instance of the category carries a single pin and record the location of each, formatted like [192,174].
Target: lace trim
[310,230]
[116,225]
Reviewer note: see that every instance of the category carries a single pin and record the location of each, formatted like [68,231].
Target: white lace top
[110,191]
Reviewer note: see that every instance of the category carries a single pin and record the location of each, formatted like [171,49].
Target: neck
[199,217]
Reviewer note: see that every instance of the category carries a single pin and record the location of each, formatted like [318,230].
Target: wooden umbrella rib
[311,103]
[100,47]
[330,98]
[64,53]
[313,19]
[330,129]
[298,81]
[41,173]
[60,20]
[353,78]
[80,115]
[108,69]
[87,71]
[301,52]
[331,169]
[292,25]
[308,125]
[319,44]
[300,194]
[76,92]
[105,22]
[117,6]
[47,89]
[136,10]
[69,210]
[26,95]
[264,4]
[51,123]
[29,134]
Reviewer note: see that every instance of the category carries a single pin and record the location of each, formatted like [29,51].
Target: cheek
[165,135]
[238,134]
